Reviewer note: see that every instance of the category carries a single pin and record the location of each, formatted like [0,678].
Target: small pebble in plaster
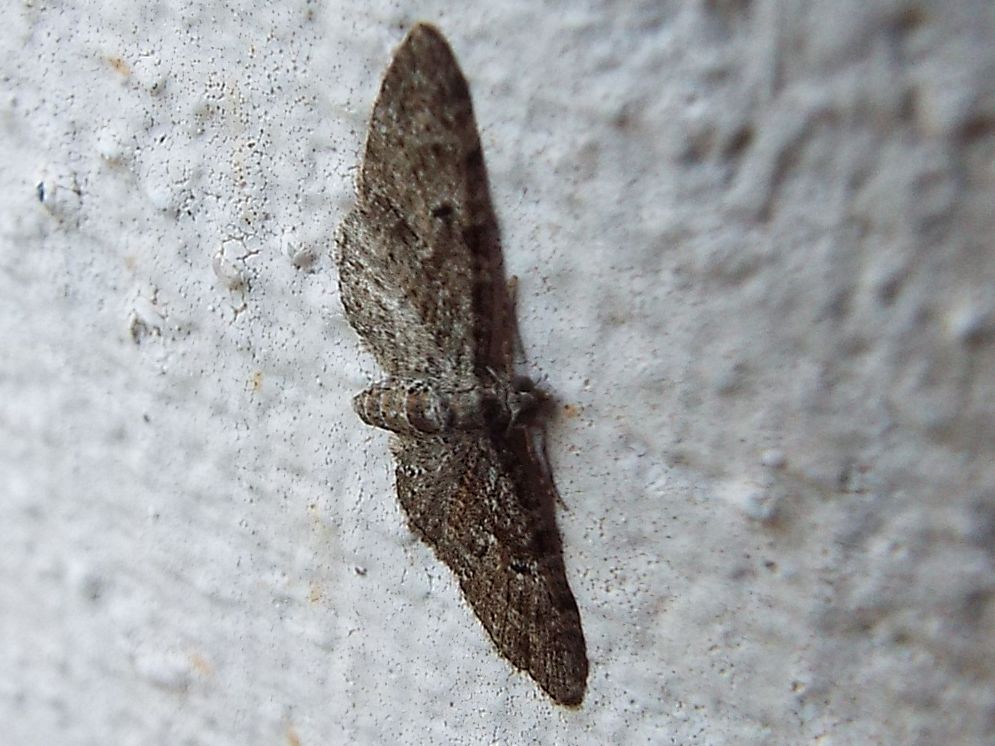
[422,281]
[89,584]
[751,499]
[729,377]
[773,458]
[160,194]
[119,65]
[571,411]
[853,478]
[60,194]
[292,738]
[108,145]
[302,257]
[231,276]
[201,664]
[167,669]
[970,321]
[146,317]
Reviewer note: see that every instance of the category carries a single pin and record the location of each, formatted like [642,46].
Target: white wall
[756,261]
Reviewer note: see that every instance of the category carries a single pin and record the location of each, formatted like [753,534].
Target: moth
[421,276]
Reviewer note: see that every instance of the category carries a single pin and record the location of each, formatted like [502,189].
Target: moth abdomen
[405,406]
[419,407]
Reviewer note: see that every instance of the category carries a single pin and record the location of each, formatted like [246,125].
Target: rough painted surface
[756,243]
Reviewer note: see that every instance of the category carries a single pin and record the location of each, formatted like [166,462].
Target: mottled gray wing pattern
[390,316]
[422,282]
[424,217]
[487,512]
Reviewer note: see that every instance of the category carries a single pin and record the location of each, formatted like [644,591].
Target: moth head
[523,399]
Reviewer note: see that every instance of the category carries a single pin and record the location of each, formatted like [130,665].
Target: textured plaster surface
[754,243]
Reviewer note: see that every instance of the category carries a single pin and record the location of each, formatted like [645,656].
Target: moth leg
[512,285]
[518,345]
[537,444]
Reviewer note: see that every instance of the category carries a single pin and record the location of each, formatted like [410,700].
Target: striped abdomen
[414,406]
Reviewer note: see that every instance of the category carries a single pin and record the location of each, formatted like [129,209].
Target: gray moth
[422,283]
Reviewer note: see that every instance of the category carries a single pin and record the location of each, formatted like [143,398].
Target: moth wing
[486,510]
[374,275]
[423,177]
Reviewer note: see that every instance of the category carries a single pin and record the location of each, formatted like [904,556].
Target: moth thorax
[514,401]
